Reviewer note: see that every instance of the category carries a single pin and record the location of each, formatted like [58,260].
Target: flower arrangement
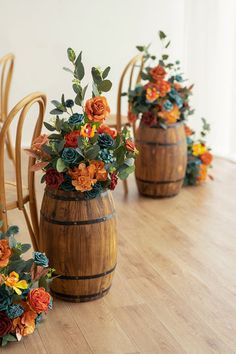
[199,156]
[83,153]
[23,288]
[162,98]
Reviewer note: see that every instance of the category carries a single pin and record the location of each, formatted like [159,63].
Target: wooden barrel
[79,237]
[161,163]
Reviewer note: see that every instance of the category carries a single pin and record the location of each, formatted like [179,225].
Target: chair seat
[11,195]
[111,120]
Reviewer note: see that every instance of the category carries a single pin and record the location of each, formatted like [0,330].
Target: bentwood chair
[6,71]
[14,195]
[134,77]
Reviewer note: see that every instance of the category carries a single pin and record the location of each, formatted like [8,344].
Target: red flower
[132,117]
[148,118]
[5,324]
[130,146]
[107,130]
[53,178]
[158,73]
[72,139]
[114,180]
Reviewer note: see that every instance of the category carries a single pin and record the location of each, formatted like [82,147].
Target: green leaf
[78,99]
[79,68]
[43,283]
[47,149]
[25,247]
[167,45]
[56,111]
[60,145]
[55,136]
[95,90]
[106,72]
[58,124]
[162,35]
[165,56]
[129,162]
[63,100]
[105,86]
[84,91]
[126,172]
[79,151]
[71,54]
[60,166]
[49,126]
[96,75]
[140,48]
[77,88]
[56,103]
[92,152]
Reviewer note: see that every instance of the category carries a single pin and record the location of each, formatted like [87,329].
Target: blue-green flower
[105,141]
[14,310]
[105,156]
[76,118]
[168,106]
[95,192]
[179,78]
[67,184]
[40,259]
[69,103]
[70,156]
[5,299]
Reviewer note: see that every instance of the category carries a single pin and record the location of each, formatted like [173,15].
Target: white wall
[202,34]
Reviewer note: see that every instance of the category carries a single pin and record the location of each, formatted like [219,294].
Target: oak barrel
[80,239]
[161,163]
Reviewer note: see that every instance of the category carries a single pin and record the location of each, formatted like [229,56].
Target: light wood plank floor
[175,286]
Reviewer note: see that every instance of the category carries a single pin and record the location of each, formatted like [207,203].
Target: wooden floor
[175,286]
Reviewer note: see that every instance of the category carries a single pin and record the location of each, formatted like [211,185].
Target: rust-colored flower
[100,171]
[130,146]
[202,173]
[206,158]
[5,253]
[171,116]
[164,87]
[158,73]
[83,177]
[24,325]
[72,139]
[97,109]
[132,117]
[36,148]
[39,141]
[107,130]
[188,131]
[39,300]
[83,183]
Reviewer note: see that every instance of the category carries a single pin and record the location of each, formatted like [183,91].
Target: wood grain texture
[79,237]
[174,287]
[161,162]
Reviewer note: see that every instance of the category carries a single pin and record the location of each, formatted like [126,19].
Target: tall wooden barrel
[161,163]
[79,237]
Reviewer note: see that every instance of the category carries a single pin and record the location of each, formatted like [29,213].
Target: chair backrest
[21,110]
[135,62]
[6,71]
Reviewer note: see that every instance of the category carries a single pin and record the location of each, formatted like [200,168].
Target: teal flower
[76,118]
[69,103]
[40,259]
[14,310]
[95,192]
[70,156]
[105,156]
[178,78]
[105,141]
[67,184]
[168,106]
[5,299]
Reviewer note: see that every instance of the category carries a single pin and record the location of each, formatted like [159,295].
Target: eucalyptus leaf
[105,85]
[60,166]
[92,152]
[96,75]
[162,35]
[49,126]
[106,72]
[71,54]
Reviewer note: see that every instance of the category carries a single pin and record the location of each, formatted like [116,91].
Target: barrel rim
[71,195]
[174,125]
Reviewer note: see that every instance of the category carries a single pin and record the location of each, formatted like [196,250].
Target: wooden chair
[6,71]
[118,120]
[22,195]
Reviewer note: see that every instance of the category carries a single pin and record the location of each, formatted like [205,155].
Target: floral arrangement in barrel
[162,98]
[23,288]
[83,153]
[199,156]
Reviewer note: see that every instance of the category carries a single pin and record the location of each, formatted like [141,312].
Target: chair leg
[10,149]
[125,185]
[3,218]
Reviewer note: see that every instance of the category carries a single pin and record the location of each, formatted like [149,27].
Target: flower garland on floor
[164,99]
[199,156]
[23,288]
[85,154]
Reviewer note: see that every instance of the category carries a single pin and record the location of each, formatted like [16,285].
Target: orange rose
[97,109]
[24,325]
[83,183]
[158,73]
[39,300]
[107,130]
[171,116]
[206,158]
[164,88]
[5,253]
[83,178]
[188,131]
[202,173]
[100,171]
[130,146]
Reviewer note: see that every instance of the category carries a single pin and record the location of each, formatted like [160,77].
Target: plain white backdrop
[202,34]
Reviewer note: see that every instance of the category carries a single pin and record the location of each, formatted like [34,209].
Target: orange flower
[202,173]
[83,178]
[107,130]
[130,146]
[36,148]
[164,87]
[83,183]
[24,325]
[87,130]
[132,117]
[72,139]
[5,253]
[39,300]
[206,158]
[39,141]
[188,131]
[100,171]
[97,109]
[171,116]
[158,73]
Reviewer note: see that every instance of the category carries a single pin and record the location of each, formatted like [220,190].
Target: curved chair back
[21,110]
[6,71]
